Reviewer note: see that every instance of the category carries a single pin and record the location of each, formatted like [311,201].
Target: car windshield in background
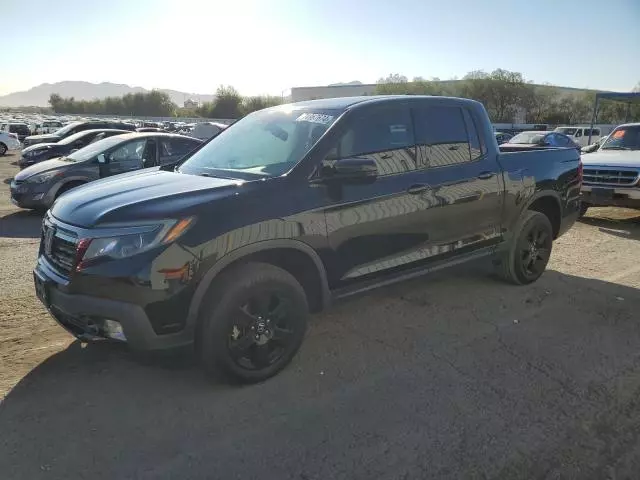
[266,143]
[72,138]
[623,138]
[61,132]
[566,131]
[93,149]
[528,138]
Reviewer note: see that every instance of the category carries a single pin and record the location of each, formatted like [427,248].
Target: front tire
[583,209]
[253,324]
[528,254]
[3,149]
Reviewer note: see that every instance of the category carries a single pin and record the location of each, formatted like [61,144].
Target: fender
[537,195]
[540,194]
[203,286]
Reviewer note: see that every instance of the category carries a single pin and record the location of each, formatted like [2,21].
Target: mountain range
[39,96]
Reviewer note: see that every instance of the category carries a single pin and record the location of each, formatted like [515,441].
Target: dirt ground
[453,376]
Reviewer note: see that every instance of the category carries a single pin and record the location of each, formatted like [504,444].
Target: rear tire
[253,323]
[527,256]
[3,149]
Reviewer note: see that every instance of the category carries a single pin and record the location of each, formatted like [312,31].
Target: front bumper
[628,197]
[34,196]
[83,316]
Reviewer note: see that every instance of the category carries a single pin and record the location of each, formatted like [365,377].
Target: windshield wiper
[615,148]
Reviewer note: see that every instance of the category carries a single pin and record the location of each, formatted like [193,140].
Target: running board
[412,273]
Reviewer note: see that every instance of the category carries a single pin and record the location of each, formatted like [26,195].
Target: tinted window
[176,147]
[21,129]
[441,134]
[560,141]
[129,152]
[384,134]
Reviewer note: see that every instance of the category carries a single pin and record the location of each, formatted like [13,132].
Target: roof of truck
[343,103]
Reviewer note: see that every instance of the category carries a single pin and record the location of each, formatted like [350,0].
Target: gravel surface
[453,376]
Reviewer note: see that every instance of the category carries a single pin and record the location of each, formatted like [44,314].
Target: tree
[393,78]
[252,104]
[227,103]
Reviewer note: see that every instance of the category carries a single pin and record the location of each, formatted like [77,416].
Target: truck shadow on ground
[491,382]
[21,224]
[625,227]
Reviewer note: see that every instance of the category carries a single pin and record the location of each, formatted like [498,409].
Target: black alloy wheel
[526,256]
[261,331]
[535,249]
[252,324]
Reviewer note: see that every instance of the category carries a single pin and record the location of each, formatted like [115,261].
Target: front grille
[602,176]
[62,251]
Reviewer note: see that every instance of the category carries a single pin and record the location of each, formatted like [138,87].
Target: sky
[269,46]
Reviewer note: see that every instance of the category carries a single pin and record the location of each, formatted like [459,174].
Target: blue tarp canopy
[628,98]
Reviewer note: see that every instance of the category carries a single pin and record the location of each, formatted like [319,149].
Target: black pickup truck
[288,209]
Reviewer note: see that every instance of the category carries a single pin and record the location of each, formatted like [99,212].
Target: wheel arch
[303,263]
[548,203]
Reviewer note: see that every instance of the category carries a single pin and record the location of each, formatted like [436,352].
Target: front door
[376,226]
[126,158]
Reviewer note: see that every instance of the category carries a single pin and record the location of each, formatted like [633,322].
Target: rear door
[464,188]
[173,149]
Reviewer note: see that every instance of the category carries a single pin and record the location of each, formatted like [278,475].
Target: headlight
[35,153]
[42,177]
[129,244]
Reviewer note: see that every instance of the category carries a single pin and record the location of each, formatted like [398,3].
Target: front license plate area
[42,289]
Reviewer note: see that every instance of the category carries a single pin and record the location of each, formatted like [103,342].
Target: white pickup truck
[612,172]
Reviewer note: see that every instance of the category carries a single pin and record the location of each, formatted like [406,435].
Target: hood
[612,158]
[39,146]
[144,195]
[40,168]
[43,138]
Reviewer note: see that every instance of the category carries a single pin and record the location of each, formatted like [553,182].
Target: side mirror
[102,159]
[351,170]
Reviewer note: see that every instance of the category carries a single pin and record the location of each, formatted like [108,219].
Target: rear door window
[442,137]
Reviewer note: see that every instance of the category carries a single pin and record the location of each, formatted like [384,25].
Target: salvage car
[534,139]
[37,187]
[612,173]
[289,209]
[21,130]
[46,151]
[75,127]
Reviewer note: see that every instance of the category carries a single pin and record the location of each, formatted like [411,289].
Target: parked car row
[75,127]
[113,152]
[228,245]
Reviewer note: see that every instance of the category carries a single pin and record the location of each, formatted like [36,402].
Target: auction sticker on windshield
[315,118]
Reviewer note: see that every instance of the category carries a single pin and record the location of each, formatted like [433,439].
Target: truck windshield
[266,143]
[623,138]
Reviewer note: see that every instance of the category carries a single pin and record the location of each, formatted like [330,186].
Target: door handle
[416,189]
[486,175]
